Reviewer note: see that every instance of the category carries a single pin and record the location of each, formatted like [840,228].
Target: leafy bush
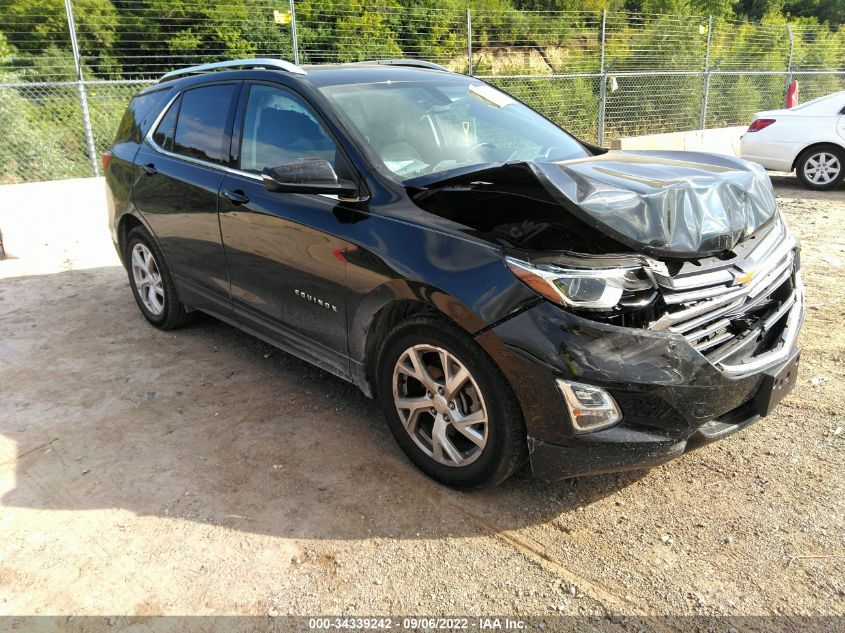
[43,138]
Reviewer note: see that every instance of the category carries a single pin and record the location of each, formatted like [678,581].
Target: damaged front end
[674,242]
[677,300]
[741,310]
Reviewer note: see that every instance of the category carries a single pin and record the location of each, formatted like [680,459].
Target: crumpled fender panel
[674,204]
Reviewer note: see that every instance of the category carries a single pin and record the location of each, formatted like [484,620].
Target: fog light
[590,408]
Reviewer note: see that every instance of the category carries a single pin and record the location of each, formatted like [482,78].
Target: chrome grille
[731,314]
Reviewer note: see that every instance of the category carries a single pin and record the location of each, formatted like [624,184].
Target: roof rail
[413,63]
[278,64]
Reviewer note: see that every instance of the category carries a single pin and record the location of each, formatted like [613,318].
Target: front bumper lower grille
[744,317]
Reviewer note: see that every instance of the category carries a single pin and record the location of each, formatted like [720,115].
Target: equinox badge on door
[319,302]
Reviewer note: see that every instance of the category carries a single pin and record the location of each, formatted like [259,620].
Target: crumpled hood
[677,204]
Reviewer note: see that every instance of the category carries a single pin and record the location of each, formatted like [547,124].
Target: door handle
[235,197]
[149,169]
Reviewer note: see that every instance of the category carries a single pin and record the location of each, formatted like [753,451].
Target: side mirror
[307,175]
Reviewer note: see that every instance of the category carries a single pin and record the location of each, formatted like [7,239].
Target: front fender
[401,290]
[392,260]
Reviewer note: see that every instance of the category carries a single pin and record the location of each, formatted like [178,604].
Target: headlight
[588,289]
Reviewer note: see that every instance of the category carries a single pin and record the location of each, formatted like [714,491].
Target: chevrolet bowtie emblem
[742,278]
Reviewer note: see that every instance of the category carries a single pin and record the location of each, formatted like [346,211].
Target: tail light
[106,160]
[759,124]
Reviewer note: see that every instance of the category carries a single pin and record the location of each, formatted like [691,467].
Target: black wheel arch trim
[372,321]
[122,233]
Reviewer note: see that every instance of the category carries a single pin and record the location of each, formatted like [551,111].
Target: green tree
[570,5]
[756,10]
[264,35]
[6,49]
[348,30]
[33,26]
[832,11]
[43,137]
[162,34]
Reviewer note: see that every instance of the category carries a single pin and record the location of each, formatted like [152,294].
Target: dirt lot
[204,472]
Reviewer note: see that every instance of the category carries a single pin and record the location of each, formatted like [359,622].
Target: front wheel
[821,167]
[448,405]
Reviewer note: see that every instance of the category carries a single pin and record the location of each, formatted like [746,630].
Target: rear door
[129,138]
[285,250]
[180,170]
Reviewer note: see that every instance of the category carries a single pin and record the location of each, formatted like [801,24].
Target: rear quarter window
[163,135]
[139,116]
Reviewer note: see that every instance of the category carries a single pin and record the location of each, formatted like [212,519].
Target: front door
[285,250]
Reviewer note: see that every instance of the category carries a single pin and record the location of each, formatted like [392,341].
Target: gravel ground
[204,472]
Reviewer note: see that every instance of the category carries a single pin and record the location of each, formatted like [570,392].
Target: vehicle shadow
[207,424]
[788,186]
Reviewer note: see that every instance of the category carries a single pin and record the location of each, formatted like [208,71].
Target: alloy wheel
[440,405]
[147,279]
[822,168]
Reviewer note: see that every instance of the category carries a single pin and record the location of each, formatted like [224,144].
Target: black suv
[506,291]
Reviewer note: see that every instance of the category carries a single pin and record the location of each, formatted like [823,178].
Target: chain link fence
[65,79]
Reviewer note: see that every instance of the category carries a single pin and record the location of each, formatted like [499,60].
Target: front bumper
[672,398]
[627,450]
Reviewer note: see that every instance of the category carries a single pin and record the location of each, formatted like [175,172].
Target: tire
[821,167]
[484,454]
[172,313]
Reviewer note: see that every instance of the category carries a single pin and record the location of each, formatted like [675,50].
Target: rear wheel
[821,167]
[152,283]
[448,405]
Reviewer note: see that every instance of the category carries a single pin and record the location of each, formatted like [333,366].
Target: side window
[163,136]
[140,106]
[278,128]
[201,128]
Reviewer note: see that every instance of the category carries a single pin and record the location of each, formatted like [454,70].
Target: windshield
[426,127]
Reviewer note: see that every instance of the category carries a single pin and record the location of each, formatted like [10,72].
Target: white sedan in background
[809,138]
